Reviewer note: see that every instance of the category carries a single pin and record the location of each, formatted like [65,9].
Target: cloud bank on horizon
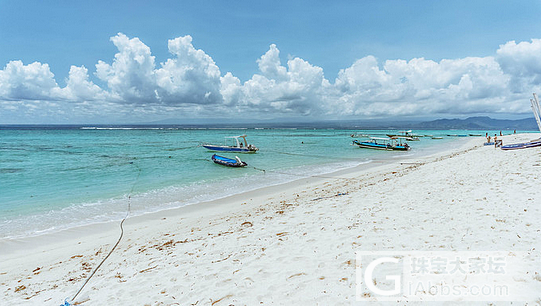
[133,87]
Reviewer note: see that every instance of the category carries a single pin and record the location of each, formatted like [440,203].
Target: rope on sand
[68,303]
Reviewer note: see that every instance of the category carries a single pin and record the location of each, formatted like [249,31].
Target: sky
[77,62]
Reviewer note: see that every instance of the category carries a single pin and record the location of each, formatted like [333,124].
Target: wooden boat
[230,162]
[382,144]
[239,146]
[406,135]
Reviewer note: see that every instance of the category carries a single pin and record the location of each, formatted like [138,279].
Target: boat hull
[400,148]
[378,146]
[372,146]
[228,149]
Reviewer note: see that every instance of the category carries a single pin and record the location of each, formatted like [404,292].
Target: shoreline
[292,178]
[108,229]
[270,203]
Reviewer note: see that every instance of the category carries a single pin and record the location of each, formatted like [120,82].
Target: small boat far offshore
[407,135]
[230,162]
[240,146]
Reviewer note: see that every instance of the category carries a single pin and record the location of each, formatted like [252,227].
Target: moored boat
[230,162]
[382,144]
[240,145]
[406,135]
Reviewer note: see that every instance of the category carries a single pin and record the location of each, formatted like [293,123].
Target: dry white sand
[293,244]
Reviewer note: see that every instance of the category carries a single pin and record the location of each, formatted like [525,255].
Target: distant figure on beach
[501,133]
[497,143]
[514,131]
[488,139]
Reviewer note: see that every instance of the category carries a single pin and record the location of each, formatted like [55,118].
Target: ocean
[58,177]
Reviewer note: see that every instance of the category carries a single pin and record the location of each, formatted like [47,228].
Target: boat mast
[535,113]
[536,110]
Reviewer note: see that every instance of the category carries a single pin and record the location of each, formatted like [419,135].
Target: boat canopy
[243,141]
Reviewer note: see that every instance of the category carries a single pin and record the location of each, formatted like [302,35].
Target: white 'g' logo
[370,270]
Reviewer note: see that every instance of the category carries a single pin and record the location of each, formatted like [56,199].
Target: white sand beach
[293,244]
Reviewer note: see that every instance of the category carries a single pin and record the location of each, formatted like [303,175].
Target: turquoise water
[57,178]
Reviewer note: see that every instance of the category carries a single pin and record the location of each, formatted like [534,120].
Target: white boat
[240,145]
[407,135]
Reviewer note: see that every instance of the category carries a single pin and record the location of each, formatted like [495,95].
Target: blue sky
[347,59]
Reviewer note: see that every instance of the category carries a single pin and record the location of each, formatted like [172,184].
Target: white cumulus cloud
[189,83]
[299,88]
[400,87]
[191,77]
[26,82]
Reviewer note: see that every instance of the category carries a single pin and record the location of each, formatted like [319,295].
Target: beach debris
[297,274]
[247,224]
[335,195]
[218,300]
[148,269]
[19,288]
[223,259]
[86,266]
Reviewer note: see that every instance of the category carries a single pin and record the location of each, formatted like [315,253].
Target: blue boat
[239,146]
[525,145]
[382,144]
[230,162]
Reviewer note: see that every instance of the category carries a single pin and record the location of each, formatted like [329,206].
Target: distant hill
[471,123]
[478,123]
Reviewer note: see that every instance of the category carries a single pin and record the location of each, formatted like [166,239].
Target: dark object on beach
[525,145]
[221,160]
